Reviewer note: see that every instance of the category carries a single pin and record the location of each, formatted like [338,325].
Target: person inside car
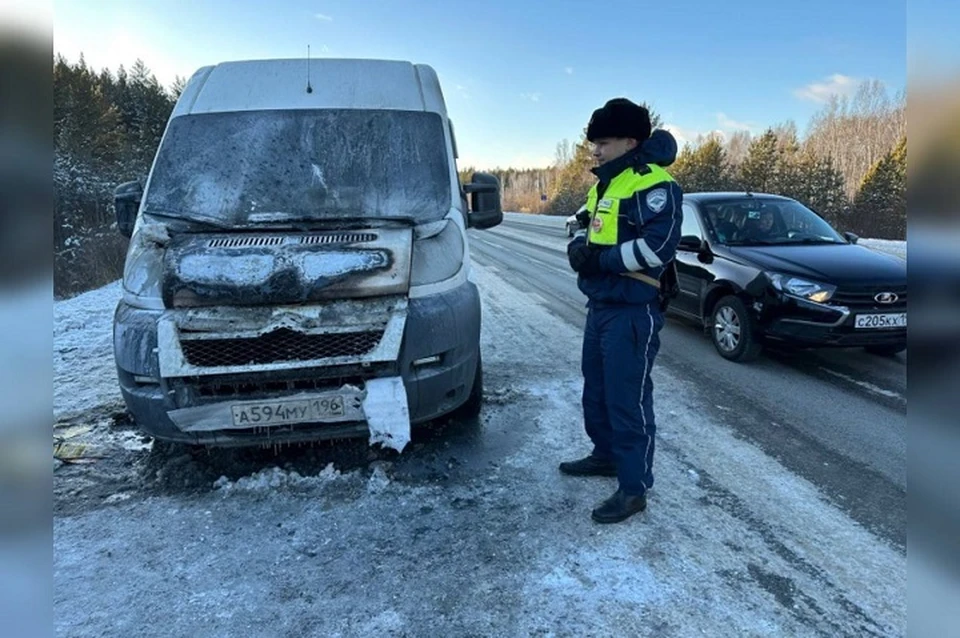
[763,229]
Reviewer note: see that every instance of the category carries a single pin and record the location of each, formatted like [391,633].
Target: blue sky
[518,76]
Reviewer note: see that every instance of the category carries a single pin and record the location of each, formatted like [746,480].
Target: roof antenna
[309,88]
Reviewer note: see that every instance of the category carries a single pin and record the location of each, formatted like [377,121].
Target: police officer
[635,218]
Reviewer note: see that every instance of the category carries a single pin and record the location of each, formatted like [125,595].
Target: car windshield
[251,167]
[755,221]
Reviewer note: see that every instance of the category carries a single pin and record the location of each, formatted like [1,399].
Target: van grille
[253,241]
[278,346]
[342,238]
[245,242]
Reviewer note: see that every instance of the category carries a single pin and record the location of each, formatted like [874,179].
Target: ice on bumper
[388,415]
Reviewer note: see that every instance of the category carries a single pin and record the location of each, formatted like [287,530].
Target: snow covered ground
[471,531]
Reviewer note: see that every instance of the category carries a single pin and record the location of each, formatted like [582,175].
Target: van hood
[268,268]
[839,264]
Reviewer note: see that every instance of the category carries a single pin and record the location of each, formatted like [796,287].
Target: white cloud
[533,97]
[323,17]
[568,70]
[691,136]
[729,124]
[683,135]
[837,84]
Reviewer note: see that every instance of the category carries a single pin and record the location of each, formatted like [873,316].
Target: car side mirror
[126,202]
[485,208]
[851,237]
[691,243]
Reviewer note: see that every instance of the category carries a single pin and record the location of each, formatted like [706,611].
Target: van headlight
[437,256]
[143,268]
[812,290]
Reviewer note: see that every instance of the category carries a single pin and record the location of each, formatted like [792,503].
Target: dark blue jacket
[648,228]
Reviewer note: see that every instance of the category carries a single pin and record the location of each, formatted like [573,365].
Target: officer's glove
[584,259]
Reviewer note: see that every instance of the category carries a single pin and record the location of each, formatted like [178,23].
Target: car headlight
[802,288]
[143,268]
[437,256]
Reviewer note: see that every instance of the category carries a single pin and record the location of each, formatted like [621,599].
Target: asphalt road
[835,417]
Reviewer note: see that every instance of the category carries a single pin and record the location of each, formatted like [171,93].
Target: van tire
[733,314]
[471,407]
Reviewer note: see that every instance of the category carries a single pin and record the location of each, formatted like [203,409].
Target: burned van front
[297,275]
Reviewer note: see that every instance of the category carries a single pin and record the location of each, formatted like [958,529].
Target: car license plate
[892,320]
[286,412]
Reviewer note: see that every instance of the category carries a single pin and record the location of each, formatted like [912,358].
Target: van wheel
[733,330]
[472,406]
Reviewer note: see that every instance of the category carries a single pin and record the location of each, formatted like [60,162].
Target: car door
[692,274]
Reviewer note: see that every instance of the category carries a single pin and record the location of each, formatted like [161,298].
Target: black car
[757,268]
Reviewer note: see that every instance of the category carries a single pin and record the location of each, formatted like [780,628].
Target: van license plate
[285,412]
[893,320]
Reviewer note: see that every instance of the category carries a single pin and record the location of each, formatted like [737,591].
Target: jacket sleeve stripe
[648,255]
[629,260]
[676,209]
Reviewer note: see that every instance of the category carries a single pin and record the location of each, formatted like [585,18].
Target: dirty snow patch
[85,374]
[272,479]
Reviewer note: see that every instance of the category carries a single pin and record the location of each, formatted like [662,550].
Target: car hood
[839,264]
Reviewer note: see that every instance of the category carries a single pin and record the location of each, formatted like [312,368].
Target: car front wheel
[733,330]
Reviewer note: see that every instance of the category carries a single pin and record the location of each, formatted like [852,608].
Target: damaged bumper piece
[230,376]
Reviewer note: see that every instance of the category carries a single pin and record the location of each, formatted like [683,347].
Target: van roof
[336,83]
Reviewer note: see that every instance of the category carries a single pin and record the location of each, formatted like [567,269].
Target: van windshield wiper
[203,222]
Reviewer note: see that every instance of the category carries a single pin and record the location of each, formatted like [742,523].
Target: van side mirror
[852,237]
[485,208]
[126,202]
[691,243]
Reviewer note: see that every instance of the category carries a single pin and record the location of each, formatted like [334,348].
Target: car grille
[277,346]
[864,298]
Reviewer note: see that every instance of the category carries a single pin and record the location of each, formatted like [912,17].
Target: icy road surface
[754,528]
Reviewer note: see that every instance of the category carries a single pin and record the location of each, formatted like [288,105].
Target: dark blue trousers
[619,347]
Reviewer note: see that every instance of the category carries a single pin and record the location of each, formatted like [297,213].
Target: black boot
[619,507]
[589,466]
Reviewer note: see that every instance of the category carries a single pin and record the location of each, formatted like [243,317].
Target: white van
[298,260]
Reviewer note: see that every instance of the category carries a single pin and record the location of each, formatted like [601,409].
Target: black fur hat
[619,117]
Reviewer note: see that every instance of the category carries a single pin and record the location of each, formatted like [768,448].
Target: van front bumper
[437,360]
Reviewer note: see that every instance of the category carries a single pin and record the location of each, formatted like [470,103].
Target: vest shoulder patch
[657,199]
[605,204]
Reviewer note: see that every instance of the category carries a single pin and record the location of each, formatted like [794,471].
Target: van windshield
[251,167]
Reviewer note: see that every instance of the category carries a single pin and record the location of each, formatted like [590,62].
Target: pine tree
[880,206]
[758,170]
[704,168]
